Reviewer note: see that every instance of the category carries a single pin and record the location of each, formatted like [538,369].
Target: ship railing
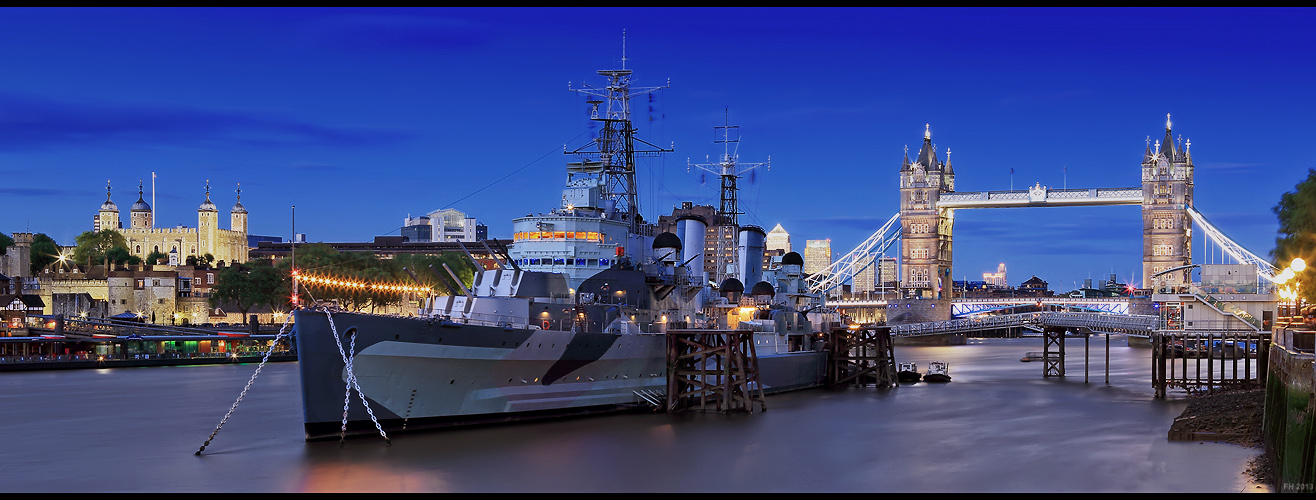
[486,319]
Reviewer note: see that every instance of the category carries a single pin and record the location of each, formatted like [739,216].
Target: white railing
[1121,323]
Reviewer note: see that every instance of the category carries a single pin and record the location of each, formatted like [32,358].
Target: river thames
[999,426]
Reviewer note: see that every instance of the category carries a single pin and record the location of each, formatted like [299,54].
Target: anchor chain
[348,358]
[231,409]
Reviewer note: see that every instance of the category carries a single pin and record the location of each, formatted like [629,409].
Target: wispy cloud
[1230,167]
[424,30]
[34,123]
[22,192]
[307,168]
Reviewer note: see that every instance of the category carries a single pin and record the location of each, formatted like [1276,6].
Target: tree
[323,261]
[44,252]
[246,286]
[5,243]
[156,257]
[120,255]
[94,246]
[1296,212]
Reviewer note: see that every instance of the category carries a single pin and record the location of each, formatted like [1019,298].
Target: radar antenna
[611,155]
[729,169]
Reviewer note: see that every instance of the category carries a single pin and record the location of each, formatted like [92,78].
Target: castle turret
[926,228]
[108,216]
[140,215]
[238,215]
[207,223]
[1167,192]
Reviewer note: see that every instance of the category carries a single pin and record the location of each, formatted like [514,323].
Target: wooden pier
[861,355]
[1205,361]
[713,369]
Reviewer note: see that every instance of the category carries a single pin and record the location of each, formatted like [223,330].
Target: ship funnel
[692,229]
[751,254]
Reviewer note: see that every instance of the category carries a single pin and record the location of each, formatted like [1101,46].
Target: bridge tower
[925,249]
[1167,193]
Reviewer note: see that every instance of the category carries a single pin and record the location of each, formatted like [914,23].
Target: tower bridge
[928,201]
[1232,320]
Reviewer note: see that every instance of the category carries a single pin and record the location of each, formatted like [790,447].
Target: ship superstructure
[531,338]
[598,223]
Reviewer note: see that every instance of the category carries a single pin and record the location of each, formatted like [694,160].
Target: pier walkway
[1124,324]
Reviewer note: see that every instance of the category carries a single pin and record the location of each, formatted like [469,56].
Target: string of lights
[360,285]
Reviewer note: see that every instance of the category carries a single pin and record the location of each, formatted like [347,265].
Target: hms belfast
[571,321]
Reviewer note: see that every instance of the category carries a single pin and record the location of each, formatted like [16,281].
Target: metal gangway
[1125,324]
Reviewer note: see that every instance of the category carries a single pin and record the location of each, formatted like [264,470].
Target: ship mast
[612,154]
[729,170]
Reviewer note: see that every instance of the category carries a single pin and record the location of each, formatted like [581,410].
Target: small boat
[938,371]
[908,373]
[1037,356]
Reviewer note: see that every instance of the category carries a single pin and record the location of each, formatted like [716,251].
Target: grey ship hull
[426,373]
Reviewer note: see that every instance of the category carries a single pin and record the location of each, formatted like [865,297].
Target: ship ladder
[651,398]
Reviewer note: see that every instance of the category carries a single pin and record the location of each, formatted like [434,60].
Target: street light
[1296,266]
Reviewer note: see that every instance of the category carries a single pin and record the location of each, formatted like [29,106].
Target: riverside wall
[1289,425]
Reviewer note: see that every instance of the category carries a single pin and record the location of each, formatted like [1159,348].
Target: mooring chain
[269,351]
[347,398]
[352,382]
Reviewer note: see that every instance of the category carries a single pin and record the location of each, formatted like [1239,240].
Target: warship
[571,320]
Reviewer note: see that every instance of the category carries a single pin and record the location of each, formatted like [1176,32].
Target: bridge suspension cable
[857,260]
[1240,254]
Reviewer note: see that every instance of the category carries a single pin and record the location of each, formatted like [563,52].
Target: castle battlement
[227,245]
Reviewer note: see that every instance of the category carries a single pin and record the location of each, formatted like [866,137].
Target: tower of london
[178,243]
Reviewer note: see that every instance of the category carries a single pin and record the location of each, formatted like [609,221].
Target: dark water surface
[998,427]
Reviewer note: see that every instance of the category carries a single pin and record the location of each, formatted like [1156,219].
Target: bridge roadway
[1125,324]
[960,308]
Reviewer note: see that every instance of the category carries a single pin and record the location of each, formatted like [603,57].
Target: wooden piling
[1221,369]
[860,356]
[713,369]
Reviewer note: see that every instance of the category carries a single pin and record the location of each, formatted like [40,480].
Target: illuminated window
[1161,250]
[560,234]
[571,235]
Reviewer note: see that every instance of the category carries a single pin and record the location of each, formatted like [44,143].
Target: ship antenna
[729,169]
[611,156]
[623,48]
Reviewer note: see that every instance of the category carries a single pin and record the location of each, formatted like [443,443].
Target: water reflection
[998,426]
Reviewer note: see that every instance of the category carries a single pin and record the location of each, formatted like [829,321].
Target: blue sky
[360,117]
